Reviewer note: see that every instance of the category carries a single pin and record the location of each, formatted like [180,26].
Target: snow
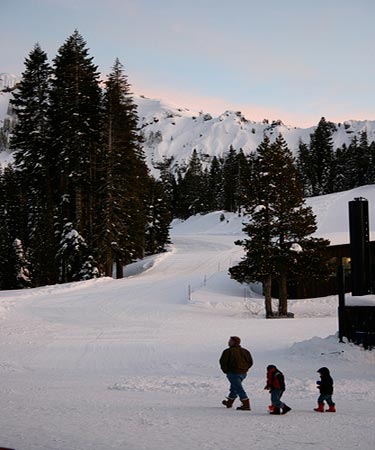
[173,131]
[332,214]
[132,364]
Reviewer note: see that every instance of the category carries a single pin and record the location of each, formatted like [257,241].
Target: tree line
[79,201]
[205,184]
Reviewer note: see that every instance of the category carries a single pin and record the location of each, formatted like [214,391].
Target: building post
[359,246]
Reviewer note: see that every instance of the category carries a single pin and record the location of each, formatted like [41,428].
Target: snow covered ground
[132,364]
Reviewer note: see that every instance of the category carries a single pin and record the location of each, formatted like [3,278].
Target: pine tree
[278,224]
[362,160]
[371,170]
[158,217]
[191,188]
[316,163]
[75,135]
[125,177]
[352,164]
[245,177]
[35,163]
[231,180]
[305,168]
[216,185]
[7,266]
[343,169]
[258,263]
[12,229]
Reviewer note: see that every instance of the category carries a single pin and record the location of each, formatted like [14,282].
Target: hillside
[170,130]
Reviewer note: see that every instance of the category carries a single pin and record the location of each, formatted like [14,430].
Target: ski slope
[132,364]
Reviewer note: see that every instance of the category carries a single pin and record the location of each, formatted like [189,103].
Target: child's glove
[318,382]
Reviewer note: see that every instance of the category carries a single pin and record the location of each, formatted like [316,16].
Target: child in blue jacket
[325,386]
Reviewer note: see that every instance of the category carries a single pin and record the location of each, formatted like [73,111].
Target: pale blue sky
[294,60]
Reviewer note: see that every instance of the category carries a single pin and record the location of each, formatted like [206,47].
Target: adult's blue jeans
[236,388]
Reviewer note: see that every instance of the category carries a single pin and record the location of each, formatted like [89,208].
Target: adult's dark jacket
[326,382]
[236,359]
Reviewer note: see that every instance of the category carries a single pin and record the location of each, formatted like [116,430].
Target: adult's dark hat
[236,340]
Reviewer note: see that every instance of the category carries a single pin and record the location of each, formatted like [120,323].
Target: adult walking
[235,362]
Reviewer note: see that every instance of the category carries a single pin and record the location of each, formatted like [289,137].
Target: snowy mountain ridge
[172,131]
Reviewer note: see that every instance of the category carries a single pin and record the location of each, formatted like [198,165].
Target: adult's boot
[245,405]
[228,402]
[275,412]
[320,407]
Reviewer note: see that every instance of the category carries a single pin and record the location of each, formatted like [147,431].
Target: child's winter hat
[323,371]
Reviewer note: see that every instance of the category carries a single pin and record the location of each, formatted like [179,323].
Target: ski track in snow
[132,364]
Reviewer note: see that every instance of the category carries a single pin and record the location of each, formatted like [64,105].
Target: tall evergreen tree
[343,169]
[125,176]
[371,169]
[258,263]
[231,180]
[13,231]
[35,163]
[317,162]
[362,160]
[216,185]
[245,176]
[279,224]
[192,188]
[75,137]
[158,217]
[305,168]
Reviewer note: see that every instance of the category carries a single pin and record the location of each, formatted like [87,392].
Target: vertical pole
[341,308]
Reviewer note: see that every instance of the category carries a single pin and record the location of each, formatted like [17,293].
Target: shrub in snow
[21,266]
[74,261]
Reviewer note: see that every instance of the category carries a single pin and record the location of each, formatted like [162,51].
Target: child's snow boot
[286,409]
[245,405]
[228,402]
[276,411]
[320,407]
[332,408]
